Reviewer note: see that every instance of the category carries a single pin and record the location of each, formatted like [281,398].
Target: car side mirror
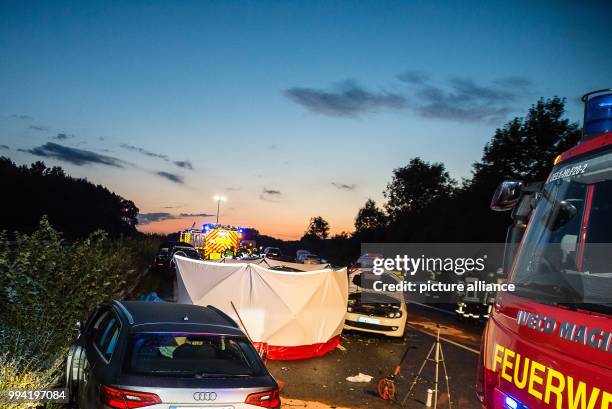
[78,327]
[507,195]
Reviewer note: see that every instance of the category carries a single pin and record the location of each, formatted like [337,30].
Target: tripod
[438,358]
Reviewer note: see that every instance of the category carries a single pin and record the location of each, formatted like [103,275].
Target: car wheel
[73,383]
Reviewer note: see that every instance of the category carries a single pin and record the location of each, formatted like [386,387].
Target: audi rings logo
[205,396]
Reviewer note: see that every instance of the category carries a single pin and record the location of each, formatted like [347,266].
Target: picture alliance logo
[413,265]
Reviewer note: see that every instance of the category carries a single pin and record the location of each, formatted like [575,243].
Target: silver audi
[137,354]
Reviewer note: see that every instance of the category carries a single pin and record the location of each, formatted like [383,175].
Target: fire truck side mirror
[507,195]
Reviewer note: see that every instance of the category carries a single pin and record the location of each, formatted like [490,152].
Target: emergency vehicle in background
[548,344]
[215,241]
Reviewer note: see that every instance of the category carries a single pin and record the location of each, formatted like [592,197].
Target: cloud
[468,90]
[146,218]
[185,164]
[172,177]
[464,100]
[460,99]
[4,147]
[270,195]
[347,99]
[62,136]
[232,189]
[38,128]
[22,117]
[144,151]
[343,186]
[75,156]
[414,77]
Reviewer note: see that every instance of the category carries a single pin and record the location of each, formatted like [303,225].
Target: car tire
[72,384]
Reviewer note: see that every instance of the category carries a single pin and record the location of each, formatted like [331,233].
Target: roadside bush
[46,285]
[26,364]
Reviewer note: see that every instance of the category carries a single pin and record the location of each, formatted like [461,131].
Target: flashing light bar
[597,113]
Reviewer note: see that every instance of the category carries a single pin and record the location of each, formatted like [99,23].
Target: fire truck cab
[548,344]
[214,241]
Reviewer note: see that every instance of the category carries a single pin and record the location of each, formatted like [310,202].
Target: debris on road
[341,348]
[361,377]
[304,404]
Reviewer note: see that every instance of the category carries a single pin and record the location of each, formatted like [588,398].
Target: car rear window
[191,355]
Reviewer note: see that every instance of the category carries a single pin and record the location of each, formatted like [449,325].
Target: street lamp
[219,199]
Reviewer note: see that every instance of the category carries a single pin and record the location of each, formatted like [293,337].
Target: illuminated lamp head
[597,113]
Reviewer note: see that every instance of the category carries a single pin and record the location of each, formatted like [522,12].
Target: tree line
[424,204]
[76,207]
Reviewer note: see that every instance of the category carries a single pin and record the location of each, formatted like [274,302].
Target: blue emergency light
[597,113]
[511,403]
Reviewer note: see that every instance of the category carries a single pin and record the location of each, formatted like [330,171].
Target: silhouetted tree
[413,195]
[424,205]
[370,222]
[523,149]
[370,218]
[526,148]
[415,186]
[74,206]
[318,229]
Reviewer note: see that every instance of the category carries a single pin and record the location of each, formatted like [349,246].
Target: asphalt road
[324,379]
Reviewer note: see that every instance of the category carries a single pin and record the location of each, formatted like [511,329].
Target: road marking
[475,351]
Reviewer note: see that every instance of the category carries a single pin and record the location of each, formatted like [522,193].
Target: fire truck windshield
[566,255]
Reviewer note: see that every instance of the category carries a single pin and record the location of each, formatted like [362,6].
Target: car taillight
[268,399]
[124,399]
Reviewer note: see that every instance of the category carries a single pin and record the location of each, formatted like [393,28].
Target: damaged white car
[374,311]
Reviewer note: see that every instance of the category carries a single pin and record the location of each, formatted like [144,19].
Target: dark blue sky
[291,109]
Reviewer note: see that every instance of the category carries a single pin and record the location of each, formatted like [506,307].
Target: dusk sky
[289,109]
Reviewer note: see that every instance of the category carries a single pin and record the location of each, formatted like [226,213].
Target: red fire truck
[548,344]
